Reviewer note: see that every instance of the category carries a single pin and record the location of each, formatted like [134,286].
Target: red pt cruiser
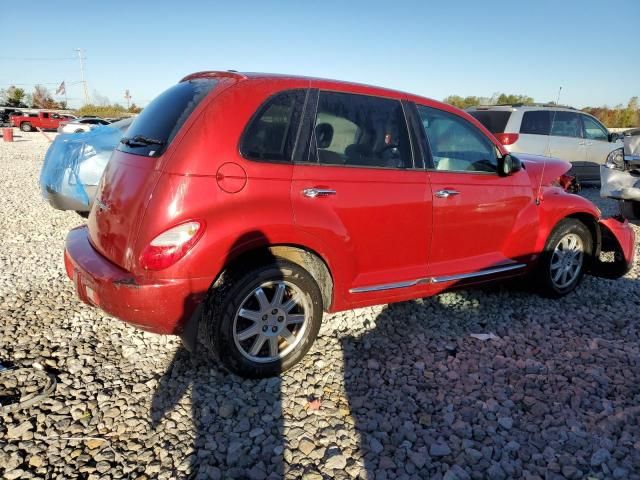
[251,203]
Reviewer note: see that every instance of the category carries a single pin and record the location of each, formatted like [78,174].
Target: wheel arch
[305,257]
[591,223]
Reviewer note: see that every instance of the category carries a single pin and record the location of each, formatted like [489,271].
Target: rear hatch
[134,169]
[494,120]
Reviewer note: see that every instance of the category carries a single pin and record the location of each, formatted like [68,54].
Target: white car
[81,125]
[550,131]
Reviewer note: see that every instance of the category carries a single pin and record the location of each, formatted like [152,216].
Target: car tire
[26,127]
[240,323]
[565,258]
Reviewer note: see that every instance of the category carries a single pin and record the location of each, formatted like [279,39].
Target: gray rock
[439,450]
[599,457]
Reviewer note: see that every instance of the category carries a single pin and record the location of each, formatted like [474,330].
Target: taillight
[507,138]
[171,245]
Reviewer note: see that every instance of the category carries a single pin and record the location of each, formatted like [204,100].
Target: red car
[253,202]
[41,120]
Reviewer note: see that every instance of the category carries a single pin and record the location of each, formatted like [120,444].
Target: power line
[39,59]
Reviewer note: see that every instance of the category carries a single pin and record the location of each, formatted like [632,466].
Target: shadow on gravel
[237,425]
[554,395]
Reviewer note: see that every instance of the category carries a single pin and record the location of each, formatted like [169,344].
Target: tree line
[620,116]
[17,97]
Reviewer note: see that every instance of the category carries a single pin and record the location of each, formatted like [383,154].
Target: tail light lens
[507,138]
[171,245]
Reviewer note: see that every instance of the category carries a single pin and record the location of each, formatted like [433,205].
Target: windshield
[161,120]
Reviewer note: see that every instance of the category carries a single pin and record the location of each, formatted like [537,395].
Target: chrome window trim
[443,279]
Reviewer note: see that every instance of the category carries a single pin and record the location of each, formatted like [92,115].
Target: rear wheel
[261,322]
[563,262]
[26,127]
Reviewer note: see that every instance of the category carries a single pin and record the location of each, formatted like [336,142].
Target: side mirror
[508,165]
[615,136]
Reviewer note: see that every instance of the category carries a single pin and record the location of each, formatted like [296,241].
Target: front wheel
[26,127]
[261,322]
[562,264]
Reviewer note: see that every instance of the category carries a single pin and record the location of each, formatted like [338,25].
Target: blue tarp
[77,160]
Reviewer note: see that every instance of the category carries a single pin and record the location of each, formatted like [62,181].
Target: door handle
[318,192]
[446,193]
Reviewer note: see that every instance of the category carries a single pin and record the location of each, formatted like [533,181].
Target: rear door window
[537,122]
[565,124]
[272,133]
[493,120]
[360,131]
[161,120]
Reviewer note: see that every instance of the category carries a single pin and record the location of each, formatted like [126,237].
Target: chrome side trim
[448,278]
[480,273]
[388,286]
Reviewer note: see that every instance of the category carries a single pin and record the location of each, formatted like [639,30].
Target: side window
[565,124]
[456,145]
[272,132]
[593,130]
[45,115]
[360,130]
[536,122]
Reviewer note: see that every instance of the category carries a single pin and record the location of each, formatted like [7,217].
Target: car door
[358,191]
[566,141]
[483,223]
[598,146]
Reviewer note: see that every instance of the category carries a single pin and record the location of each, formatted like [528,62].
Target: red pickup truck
[41,120]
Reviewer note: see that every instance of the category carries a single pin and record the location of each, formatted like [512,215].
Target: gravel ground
[400,391]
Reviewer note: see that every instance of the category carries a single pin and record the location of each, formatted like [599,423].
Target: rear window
[537,122]
[161,120]
[493,120]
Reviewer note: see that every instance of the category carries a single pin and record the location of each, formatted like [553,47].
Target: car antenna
[553,117]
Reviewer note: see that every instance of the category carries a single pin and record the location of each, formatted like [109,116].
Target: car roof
[328,84]
[521,106]
[325,82]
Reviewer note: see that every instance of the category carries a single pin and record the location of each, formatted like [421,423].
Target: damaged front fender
[615,256]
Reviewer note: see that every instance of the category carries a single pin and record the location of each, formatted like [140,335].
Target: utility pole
[127,97]
[84,82]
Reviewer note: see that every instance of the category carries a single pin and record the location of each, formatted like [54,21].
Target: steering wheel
[387,147]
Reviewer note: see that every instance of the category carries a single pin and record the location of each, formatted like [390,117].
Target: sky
[434,49]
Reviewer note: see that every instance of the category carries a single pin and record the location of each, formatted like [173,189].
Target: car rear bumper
[155,305]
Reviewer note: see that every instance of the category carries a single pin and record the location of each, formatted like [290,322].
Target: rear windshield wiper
[140,141]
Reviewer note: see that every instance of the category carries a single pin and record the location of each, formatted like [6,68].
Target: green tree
[510,99]
[15,96]
[496,98]
[105,111]
[463,102]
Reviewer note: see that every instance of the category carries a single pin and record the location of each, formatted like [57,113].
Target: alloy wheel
[271,321]
[566,260]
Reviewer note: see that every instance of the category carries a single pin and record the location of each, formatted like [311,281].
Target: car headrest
[324,135]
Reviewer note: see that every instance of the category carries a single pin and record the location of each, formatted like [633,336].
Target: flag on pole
[61,89]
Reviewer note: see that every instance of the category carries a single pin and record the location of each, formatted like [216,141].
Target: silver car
[74,164]
[550,131]
[620,176]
